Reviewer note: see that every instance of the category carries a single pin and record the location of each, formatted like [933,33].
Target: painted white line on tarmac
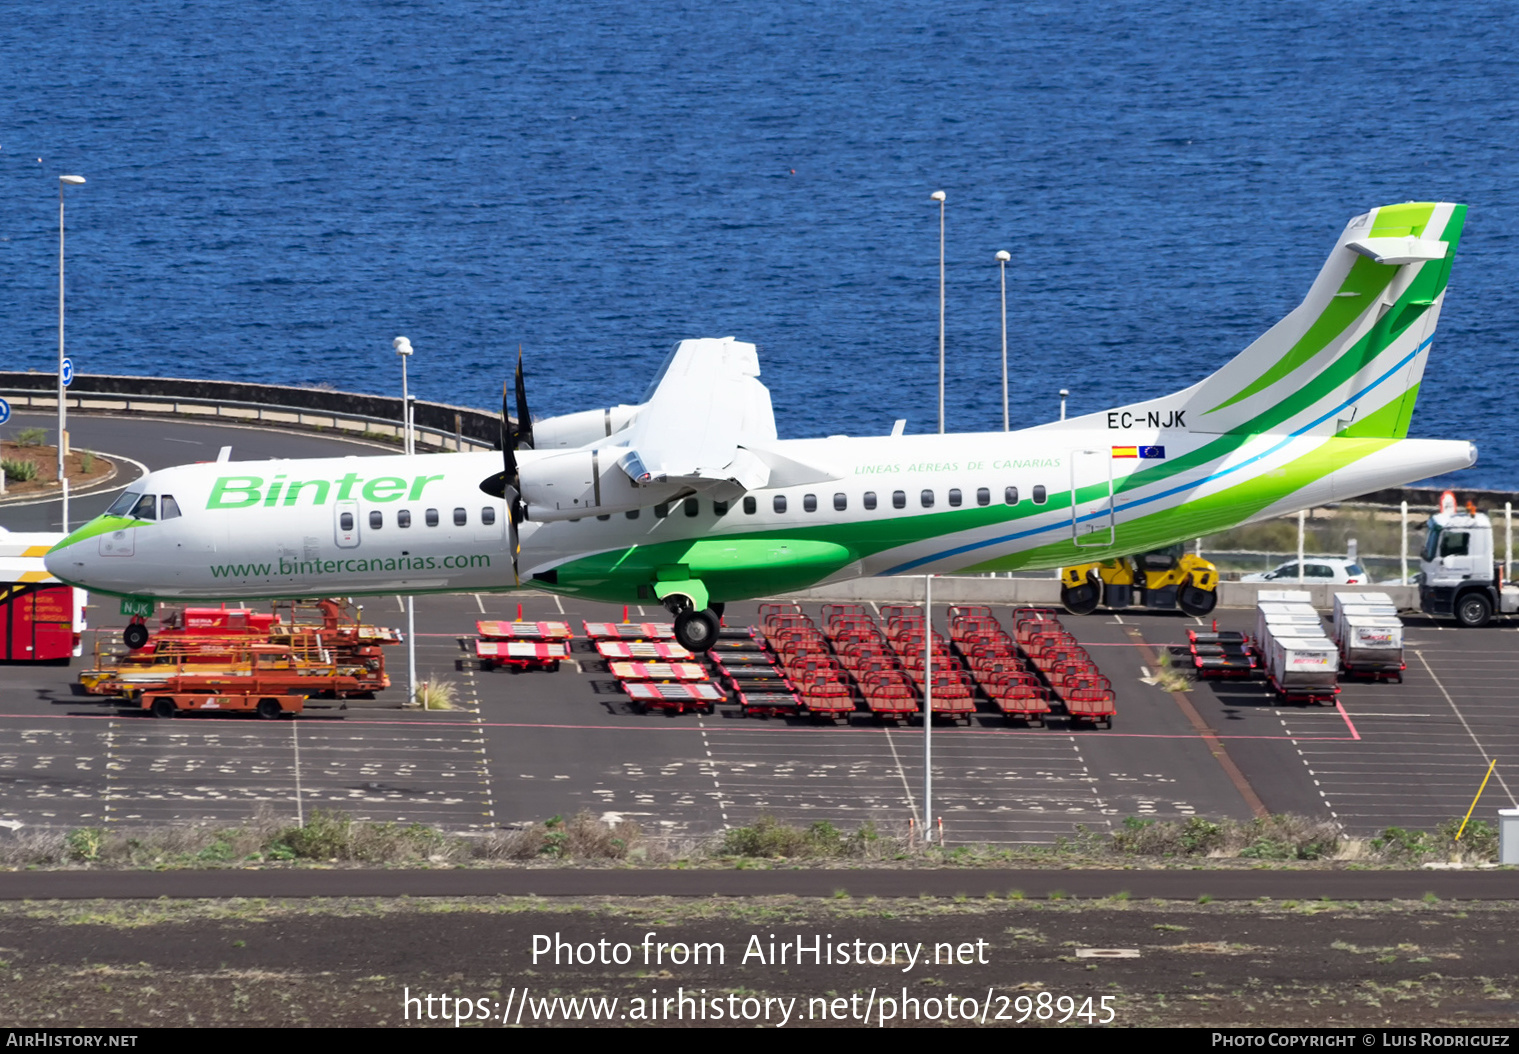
[1462,718]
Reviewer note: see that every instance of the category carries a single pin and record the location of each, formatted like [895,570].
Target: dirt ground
[83,468]
[397,963]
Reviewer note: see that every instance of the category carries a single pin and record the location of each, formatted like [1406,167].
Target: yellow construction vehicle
[1162,580]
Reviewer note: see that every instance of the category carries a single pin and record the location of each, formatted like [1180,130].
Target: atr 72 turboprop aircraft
[689,498]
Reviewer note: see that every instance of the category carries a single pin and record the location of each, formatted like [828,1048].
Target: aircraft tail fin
[1349,359]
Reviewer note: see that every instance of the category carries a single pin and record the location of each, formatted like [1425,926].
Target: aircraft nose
[68,559]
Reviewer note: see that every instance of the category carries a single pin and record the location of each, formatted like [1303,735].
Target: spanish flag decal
[1145,453]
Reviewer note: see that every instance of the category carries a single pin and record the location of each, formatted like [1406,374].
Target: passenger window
[692,506]
[345,521]
[870,499]
[1454,543]
[170,509]
[146,508]
[661,510]
[123,505]
[1010,496]
[461,517]
[927,498]
[840,502]
[899,499]
[720,508]
[780,503]
[403,518]
[750,505]
[631,514]
[488,516]
[376,520]
[954,496]
[810,502]
[1039,495]
[983,496]
[432,517]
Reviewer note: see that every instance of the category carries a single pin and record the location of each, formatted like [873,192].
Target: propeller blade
[514,539]
[496,485]
[524,419]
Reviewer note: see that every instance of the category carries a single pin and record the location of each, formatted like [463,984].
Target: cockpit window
[123,505]
[146,508]
[169,508]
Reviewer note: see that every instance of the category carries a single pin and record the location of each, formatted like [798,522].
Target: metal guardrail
[312,409]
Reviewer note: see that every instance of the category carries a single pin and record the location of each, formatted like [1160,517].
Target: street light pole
[403,349]
[63,435]
[928,709]
[1002,258]
[938,196]
[1063,393]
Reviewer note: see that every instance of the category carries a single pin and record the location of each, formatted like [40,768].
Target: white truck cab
[1457,573]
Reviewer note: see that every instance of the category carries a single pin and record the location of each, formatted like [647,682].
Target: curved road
[159,443]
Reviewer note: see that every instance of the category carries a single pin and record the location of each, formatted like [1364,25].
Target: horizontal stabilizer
[1399,251]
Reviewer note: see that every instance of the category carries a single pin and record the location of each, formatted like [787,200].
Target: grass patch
[434,694]
[768,837]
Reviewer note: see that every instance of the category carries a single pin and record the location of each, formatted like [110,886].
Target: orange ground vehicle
[217,639]
[269,679]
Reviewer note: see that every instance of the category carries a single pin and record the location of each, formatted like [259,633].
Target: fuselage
[1001,501]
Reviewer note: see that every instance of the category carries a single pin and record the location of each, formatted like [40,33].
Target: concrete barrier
[306,408]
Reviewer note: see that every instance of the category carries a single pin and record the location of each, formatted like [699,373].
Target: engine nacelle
[576,483]
[578,429]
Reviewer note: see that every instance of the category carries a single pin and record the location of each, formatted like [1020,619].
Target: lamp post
[1063,393]
[63,435]
[928,709]
[403,349]
[938,196]
[1002,258]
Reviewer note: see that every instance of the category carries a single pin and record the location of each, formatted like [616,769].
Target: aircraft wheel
[135,636]
[269,709]
[164,707]
[1196,602]
[1474,609]
[1082,600]
[696,630]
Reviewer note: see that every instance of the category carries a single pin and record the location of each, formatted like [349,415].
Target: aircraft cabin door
[345,524]
[1093,522]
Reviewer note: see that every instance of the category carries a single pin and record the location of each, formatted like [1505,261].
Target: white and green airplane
[689,498]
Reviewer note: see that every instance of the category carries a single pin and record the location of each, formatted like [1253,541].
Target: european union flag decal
[1152,452]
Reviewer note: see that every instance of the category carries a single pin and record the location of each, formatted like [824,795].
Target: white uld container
[1360,604]
[1361,598]
[1349,611]
[1303,663]
[1303,618]
[1269,610]
[1372,639]
[1286,596]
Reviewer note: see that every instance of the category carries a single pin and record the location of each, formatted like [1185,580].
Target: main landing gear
[696,631]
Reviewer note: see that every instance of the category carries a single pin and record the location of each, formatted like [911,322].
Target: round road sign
[68,372]
[5,411]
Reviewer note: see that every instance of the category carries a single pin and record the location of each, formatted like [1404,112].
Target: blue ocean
[277,189]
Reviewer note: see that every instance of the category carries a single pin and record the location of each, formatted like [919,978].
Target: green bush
[30,437]
[768,837]
[85,843]
[19,470]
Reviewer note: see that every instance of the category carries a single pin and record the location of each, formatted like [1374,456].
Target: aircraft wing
[696,425]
